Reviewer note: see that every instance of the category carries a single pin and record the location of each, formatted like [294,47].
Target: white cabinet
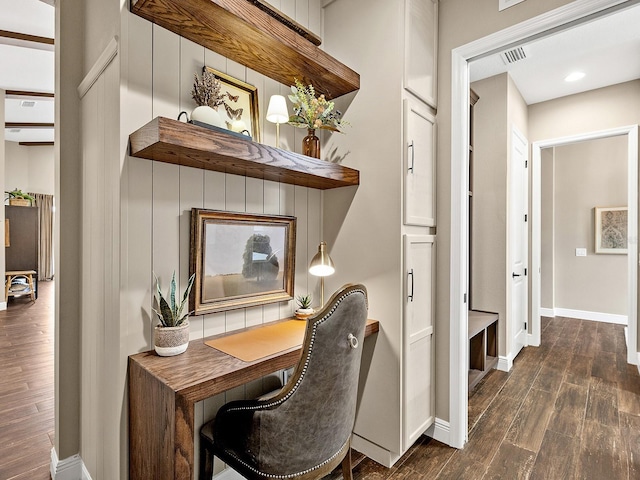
[419,164]
[421,34]
[419,392]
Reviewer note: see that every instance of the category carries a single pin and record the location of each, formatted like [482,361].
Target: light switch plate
[581,252]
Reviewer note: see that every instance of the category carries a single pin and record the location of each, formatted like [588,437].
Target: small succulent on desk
[304,307]
[169,311]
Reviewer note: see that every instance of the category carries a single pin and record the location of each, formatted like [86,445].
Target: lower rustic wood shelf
[171,141]
[483,345]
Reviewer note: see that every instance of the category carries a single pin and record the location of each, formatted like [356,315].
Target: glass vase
[311,144]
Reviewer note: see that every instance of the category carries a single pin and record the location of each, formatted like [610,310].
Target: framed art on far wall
[611,230]
[240,107]
[240,259]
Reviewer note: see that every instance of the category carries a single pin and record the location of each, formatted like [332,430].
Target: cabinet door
[418,378]
[421,33]
[419,165]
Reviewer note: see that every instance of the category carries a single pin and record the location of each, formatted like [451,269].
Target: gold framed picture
[240,259]
[239,110]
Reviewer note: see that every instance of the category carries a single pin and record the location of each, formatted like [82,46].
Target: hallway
[27,386]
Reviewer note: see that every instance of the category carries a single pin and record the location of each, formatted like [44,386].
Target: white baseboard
[373,451]
[593,316]
[3,305]
[530,342]
[71,468]
[505,363]
[440,431]
[547,312]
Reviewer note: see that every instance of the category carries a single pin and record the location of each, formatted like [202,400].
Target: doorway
[631,134]
[544,24]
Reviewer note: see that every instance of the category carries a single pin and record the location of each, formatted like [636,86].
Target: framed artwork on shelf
[239,110]
[611,230]
[240,259]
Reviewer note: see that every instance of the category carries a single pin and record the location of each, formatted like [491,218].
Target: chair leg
[346,466]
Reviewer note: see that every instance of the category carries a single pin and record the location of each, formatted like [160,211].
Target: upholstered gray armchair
[304,431]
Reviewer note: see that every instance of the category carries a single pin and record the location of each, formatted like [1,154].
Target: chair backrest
[309,422]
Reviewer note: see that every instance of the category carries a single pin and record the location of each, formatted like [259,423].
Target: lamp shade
[277,111]
[321,265]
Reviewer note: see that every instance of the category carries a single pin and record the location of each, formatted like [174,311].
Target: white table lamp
[277,113]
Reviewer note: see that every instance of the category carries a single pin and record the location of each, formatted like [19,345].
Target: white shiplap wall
[156,198]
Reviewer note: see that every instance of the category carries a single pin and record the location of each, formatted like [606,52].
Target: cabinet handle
[412,156]
[410,296]
[514,274]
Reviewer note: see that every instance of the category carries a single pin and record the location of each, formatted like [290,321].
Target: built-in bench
[483,344]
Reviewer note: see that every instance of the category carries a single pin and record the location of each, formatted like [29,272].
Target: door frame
[631,132]
[458,327]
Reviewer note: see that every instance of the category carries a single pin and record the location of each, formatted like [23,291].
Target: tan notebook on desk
[251,345]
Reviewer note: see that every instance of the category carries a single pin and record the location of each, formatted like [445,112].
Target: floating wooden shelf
[241,31]
[171,141]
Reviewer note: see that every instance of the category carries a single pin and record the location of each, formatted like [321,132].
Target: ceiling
[27,66]
[607,51]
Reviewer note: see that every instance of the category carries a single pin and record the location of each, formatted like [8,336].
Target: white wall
[363,225]
[587,175]
[30,169]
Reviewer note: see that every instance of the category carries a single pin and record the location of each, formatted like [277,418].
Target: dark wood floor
[26,386]
[569,409]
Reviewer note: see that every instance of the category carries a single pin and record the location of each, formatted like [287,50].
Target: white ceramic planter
[169,341]
[207,115]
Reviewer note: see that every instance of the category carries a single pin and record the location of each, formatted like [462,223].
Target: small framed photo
[240,259]
[611,230]
[240,108]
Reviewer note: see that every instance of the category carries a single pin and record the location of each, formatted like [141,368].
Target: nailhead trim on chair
[289,475]
[292,391]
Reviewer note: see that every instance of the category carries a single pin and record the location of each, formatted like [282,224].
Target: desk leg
[151,427]
[184,435]
[161,426]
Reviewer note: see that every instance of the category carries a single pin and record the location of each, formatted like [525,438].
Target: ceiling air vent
[514,55]
[28,103]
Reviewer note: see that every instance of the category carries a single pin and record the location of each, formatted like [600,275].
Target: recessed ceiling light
[572,77]
[27,103]
[14,130]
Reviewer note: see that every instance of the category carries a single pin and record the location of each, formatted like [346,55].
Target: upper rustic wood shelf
[244,33]
[181,143]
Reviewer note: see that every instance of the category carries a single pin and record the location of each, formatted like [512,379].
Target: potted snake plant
[171,335]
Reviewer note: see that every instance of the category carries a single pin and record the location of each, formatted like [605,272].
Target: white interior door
[518,244]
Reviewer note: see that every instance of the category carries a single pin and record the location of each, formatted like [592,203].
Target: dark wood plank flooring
[569,409]
[27,386]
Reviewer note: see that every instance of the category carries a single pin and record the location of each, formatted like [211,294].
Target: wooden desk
[164,390]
